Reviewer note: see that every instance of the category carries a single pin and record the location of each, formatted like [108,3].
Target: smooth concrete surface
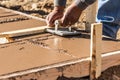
[44,50]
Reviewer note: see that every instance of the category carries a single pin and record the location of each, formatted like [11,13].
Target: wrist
[75,7]
[59,8]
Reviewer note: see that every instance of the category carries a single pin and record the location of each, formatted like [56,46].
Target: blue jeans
[109,15]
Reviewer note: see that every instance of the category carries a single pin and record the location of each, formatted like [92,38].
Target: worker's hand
[57,13]
[71,15]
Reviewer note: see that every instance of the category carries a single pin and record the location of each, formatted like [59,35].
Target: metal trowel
[62,31]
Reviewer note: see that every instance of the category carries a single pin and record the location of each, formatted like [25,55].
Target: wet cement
[17,25]
[46,49]
[4,12]
[3,15]
[20,25]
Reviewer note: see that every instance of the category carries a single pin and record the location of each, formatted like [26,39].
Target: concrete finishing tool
[62,31]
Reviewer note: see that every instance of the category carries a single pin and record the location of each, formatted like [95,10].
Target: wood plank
[24,32]
[96,50]
[118,35]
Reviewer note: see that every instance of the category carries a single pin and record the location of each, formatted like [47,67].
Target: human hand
[71,15]
[57,13]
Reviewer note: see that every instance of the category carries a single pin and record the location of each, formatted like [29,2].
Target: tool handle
[57,24]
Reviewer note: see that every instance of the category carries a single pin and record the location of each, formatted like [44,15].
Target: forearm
[82,4]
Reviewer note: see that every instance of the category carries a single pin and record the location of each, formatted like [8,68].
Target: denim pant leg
[110,29]
[109,15]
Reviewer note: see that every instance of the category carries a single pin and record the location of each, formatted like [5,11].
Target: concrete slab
[21,25]
[44,50]
[26,55]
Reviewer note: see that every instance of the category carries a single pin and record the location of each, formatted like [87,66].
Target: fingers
[71,16]
[52,17]
[50,20]
[68,20]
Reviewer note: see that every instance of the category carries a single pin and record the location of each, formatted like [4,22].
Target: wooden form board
[52,56]
[96,49]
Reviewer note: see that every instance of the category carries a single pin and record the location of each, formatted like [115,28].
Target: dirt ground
[41,8]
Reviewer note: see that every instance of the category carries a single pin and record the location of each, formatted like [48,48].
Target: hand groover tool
[62,31]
